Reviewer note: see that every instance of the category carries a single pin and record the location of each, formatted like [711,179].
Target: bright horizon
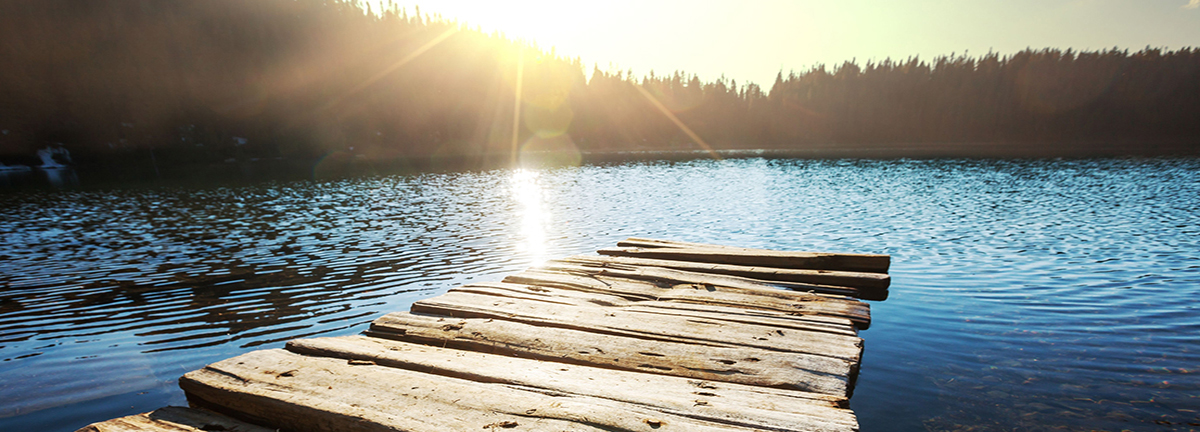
[753,41]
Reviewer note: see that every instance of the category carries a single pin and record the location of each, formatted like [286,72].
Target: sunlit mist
[752,41]
[517,84]
[327,88]
[532,214]
[392,68]
[675,120]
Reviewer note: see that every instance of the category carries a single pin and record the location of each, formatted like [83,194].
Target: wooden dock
[651,335]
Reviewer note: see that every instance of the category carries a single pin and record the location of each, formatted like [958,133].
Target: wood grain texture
[605,320]
[742,365]
[310,393]
[174,419]
[694,310]
[661,243]
[860,280]
[812,306]
[701,400]
[674,276]
[654,335]
[754,257]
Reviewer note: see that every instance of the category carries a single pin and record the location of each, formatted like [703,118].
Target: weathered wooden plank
[673,276]
[743,316]
[707,401]
[861,280]
[753,298]
[661,243]
[742,365]
[654,335]
[174,419]
[306,393]
[756,257]
[709,312]
[811,305]
[639,324]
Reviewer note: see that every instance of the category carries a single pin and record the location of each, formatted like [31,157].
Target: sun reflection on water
[532,213]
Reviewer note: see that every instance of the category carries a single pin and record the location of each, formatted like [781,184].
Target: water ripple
[1027,295]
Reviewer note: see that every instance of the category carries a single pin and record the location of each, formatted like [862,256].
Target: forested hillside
[303,79]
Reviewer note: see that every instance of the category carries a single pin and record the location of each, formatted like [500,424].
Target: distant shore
[1007,150]
[105,170]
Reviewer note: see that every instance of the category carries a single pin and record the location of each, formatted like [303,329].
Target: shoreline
[105,170]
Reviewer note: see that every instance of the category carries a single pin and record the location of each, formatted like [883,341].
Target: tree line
[211,81]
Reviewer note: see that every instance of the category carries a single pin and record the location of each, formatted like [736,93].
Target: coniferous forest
[210,82]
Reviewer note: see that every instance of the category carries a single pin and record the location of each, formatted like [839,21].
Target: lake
[1027,294]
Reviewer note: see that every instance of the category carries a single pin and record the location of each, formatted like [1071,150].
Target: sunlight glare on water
[1026,295]
[533,215]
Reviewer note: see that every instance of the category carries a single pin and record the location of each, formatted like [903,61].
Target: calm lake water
[1026,295]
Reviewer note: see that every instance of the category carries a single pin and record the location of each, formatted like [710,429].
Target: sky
[753,40]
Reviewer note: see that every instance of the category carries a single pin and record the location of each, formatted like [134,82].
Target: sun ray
[678,123]
[397,65]
[516,125]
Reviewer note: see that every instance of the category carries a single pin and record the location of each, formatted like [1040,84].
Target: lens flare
[552,151]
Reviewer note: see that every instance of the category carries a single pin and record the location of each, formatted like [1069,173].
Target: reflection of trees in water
[183,269]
